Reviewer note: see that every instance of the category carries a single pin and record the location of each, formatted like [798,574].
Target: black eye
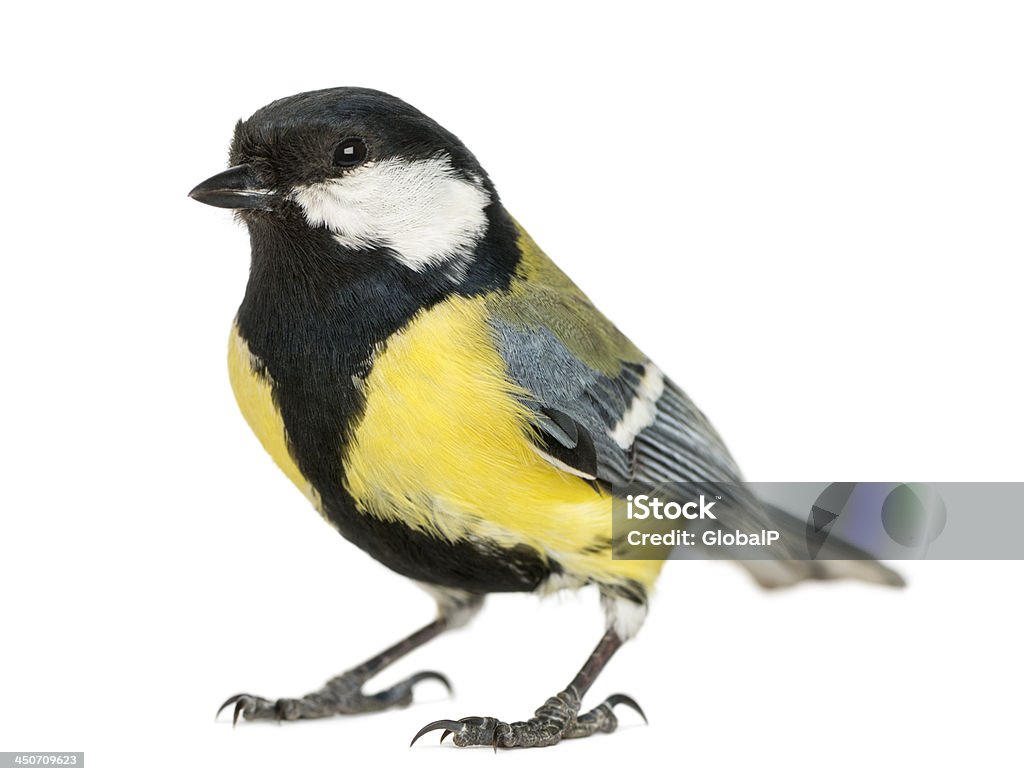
[350,152]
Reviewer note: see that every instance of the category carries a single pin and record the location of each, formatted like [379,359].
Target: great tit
[444,395]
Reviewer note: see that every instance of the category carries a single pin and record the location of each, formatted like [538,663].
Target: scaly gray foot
[555,720]
[341,695]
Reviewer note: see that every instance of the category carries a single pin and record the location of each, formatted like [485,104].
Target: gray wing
[636,427]
[643,427]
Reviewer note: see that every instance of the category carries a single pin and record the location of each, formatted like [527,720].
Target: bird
[449,400]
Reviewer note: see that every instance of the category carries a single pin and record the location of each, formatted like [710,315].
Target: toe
[625,699]
[447,725]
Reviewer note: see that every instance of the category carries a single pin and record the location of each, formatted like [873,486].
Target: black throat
[314,311]
[313,314]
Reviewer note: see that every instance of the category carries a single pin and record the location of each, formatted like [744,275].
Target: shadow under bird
[444,395]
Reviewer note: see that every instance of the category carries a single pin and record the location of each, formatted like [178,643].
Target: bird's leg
[556,719]
[344,693]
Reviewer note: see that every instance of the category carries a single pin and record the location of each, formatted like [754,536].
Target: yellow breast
[254,394]
[445,446]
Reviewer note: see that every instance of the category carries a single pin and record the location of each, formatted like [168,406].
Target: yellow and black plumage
[441,392]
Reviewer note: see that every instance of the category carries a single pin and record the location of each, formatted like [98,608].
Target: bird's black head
[365,167]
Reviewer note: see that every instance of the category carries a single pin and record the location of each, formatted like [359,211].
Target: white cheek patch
[422,210]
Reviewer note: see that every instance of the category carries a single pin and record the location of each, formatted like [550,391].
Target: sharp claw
[623,699]
[447,724]
[471,721]
[432,675]
[227,702]
[240,701]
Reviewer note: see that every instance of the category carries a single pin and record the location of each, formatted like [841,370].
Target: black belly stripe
[313,313]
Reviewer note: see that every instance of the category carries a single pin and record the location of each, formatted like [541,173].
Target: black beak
[235,188]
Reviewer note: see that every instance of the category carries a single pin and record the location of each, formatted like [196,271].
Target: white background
[808,213]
